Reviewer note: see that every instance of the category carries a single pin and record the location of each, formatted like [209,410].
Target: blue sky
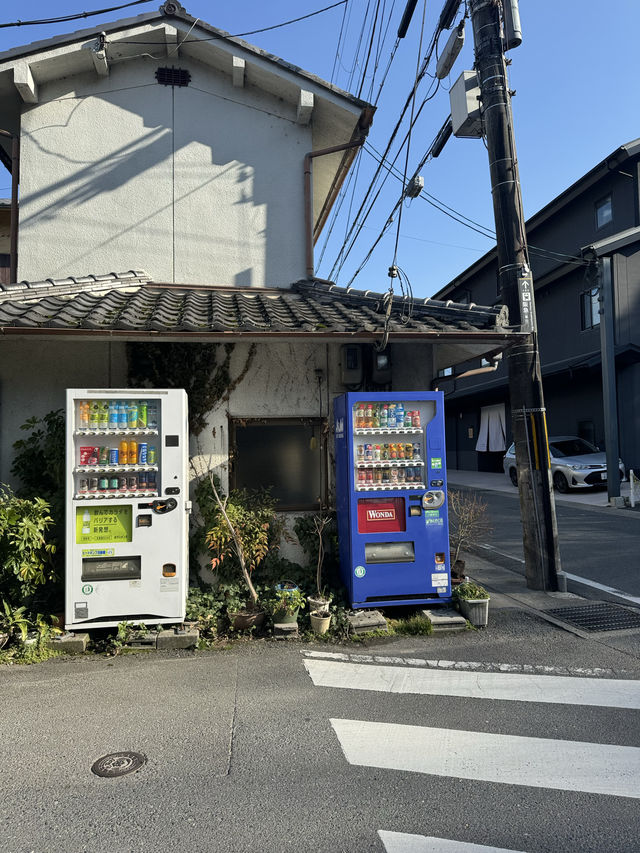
[576,102]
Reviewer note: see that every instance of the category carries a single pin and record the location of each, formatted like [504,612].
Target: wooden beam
[171,38]
[238,72]
[305,107]
[24,83]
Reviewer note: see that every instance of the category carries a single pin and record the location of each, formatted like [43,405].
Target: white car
[575,463]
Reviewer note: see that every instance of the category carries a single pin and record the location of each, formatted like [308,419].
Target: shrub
[25,553]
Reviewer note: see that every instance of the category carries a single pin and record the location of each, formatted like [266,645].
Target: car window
[512,450]
[571,447]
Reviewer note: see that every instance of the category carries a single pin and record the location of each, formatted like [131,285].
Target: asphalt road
[266,748]
[596,543]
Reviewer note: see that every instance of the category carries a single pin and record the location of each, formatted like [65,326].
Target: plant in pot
[310,531]
[468,523]
[284,603]
[473,602]
[240,536]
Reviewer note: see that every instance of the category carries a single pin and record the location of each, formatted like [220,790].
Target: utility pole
[537,507]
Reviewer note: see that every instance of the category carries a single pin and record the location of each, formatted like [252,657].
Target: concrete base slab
[363,621]
[445,619]
[69,643]
[176,639]
[285,630]
[143,640]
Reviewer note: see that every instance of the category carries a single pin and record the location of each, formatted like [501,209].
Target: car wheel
[560,482]
[513,476]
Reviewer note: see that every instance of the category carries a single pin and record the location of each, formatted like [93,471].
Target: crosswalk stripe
[403,842]
[517,687]
[509,759]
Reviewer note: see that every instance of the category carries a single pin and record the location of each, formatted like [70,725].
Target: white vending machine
[127,507]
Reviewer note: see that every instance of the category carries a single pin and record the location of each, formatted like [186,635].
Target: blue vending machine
[391,498]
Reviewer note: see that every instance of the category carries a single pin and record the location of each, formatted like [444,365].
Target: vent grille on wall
[173,76]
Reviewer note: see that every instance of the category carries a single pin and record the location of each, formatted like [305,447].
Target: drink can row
[381,452]
[390,476]
[144,481]
[127,453]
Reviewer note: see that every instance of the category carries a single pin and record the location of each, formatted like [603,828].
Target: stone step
[363,621]
[445,619]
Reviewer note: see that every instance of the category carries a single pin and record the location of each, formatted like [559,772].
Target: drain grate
[118,764]
[598,617]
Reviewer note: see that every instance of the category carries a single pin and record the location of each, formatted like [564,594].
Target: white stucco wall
[199,185]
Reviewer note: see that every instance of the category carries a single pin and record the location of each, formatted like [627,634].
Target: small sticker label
[360,571]
[436,462]
[87,589]
[432,516]
[135,584]
[98,552]
[169,584]
[441,589]
[439,579]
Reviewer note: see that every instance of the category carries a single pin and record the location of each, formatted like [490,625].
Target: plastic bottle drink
[133,453]
[113,414]
[122,415]
[132,415]
[142,414]
[384,416]
[123,454]
[415,419]
[94,415]
[103,415]
[408,422]
[391,417]
[399,416]
[152,416]
[83,414]
[369,416]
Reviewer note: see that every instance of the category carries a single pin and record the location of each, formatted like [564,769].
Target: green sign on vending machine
[103,524]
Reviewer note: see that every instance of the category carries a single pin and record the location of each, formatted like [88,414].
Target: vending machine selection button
[436,484]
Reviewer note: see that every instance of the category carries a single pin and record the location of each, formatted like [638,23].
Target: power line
[64,18]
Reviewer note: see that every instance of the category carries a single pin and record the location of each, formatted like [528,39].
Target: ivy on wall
[203,370]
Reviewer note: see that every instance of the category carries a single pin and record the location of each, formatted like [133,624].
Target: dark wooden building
[586,238]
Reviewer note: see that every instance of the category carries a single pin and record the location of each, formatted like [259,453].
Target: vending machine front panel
[392,498]
[127,516]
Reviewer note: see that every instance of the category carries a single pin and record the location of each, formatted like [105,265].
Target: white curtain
[492,434]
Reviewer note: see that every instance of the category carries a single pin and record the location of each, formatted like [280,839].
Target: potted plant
[320,621]
[285,602]
[310,532]
[473,602]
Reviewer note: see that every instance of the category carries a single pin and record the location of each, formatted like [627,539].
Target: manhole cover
[598,617]
[118,764]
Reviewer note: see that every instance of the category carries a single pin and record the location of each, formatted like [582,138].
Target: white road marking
[554,689]
[459,664]
[610,589]
[402,842]
[507,759]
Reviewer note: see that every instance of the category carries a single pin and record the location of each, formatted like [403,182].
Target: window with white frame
[589,308]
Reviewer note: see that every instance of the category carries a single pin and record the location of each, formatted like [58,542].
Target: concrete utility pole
[540,534]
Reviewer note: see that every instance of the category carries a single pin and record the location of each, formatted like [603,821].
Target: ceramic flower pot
[320,621]
[285,617]
[318,603]
[242,620]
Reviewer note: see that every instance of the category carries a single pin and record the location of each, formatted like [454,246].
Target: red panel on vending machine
[381,515]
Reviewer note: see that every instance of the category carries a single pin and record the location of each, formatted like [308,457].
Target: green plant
[14,621]
[313,531]
[413,626]
[469,590]
[468,521]
[204,608]
[284,600]
[25,553]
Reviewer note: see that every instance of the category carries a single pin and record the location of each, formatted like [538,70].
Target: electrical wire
[64,18]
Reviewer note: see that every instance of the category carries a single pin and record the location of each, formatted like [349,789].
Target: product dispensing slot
[389,552]
[111,568]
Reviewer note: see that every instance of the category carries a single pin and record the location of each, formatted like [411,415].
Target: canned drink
[409,475]
[407,419]
[415,419]
[133,452]
[385,475]
[402,475]
[142,481]
[113,483]
[103,483]
[142,414]
[369,478]
[113,456]
[152,454]
[368,452]
[122,483]
[142,453]
[394,475]
[83,485]
[103,456]
[93,484]
[362,477]
[151,480]
[132,483]
[360,453]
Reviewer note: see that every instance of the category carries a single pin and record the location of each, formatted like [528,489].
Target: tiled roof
[131,303]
